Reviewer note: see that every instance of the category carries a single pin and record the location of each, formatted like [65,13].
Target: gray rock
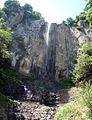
[31,55]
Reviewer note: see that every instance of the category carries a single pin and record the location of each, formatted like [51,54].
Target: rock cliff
[31,55]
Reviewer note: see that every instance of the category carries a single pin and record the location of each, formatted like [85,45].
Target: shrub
[79,27]
[66,83]
[87,96]
[87,49]
[67,113]
[82,71]
[73,111]
[69,21]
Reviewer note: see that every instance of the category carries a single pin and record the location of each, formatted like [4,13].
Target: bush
[87,49]
[67,113]
[87,96]
[79,27]
[66,83]
[73,111]
[82,71]
[69,21]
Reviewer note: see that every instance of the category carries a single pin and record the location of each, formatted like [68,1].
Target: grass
[7,99]
[12,76]
[66,83]
[79,110]
[13,73]
[9,80]
[74,111]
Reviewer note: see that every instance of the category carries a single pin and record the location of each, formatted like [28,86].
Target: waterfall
[47,35]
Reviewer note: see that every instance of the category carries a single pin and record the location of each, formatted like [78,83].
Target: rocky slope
[30,53]
[36,104]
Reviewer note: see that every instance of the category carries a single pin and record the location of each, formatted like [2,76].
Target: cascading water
[47,35]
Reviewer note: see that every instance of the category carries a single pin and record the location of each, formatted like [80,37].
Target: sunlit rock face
[28,47]
[30,53]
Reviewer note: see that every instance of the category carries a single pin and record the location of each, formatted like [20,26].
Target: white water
[47,35]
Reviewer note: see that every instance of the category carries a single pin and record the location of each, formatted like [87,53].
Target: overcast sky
[55,11]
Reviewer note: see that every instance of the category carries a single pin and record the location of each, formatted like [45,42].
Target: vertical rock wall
[32,56]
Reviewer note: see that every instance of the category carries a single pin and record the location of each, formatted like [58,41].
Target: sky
[55,11]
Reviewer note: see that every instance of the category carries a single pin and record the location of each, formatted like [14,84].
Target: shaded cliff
[31,55]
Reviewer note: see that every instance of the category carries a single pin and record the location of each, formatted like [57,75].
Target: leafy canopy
[27,8]
[11,3]
[82,72]
[88,10]
[5,36]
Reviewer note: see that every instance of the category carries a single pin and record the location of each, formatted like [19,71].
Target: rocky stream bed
[41,100]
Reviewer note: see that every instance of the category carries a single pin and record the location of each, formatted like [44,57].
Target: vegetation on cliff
[5,38]
[82,74]
[88,10]
[14,6]
[85,16]
[75,23]
[83,69]
[9,78]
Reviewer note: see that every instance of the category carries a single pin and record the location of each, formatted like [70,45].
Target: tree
[64,22]
[5,37]
[11,5]
[36,15]
[2,14]
[88,10]
[82,71]
[4,42]
[27,8]
[30,14]
[69,21]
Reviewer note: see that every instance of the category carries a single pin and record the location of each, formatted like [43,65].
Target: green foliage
[87,49]
[88,10]
[64,22]
[8,77]
[3,17]
[74,23]
[74,111]
[14,6]
[27,8]
[66,112]
[86,95]
[11,6]
[3,97]
[79,27]
[7,99]
[11,3]
[82,16]
[30,14]
[66,83]
[2,14]
[5,38]
[36,15]
[69,112]
[2,23]
[69,21]
[9,80]
[82,71]
[5,9]
[9,74]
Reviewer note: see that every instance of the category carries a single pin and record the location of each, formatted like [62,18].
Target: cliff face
[31,55]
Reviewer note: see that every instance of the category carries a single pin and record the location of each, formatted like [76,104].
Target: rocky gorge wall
[30,53]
